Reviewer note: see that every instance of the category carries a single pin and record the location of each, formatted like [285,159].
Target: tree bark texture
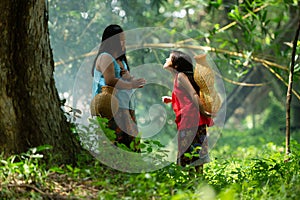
[30,112]
[289,91]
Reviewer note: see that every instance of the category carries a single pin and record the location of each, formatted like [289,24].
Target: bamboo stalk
[211,49]
[282,80]
[171,45]
[266,63]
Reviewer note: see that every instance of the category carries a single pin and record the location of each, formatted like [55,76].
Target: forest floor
[245,165]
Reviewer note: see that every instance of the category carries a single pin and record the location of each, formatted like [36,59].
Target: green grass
[245,165]
[252,165]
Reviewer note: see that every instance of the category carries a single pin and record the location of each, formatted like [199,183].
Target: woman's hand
[138,83]
[166,99]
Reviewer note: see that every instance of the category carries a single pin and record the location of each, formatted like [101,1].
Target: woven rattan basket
[105,104]
[210,101]
[204,76]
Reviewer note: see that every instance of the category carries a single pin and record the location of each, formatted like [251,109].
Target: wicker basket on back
[105,104]
[205,78]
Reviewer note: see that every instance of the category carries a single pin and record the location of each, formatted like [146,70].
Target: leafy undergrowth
[244,165]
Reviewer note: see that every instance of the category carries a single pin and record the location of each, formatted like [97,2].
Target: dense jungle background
[250,47]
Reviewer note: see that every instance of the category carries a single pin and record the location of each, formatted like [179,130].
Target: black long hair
[111,43]
[184,64]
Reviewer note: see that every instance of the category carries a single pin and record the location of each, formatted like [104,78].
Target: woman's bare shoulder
[181,75]
[105,57]
[104,60]
[182,78]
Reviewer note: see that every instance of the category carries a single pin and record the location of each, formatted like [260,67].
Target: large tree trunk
[30,112]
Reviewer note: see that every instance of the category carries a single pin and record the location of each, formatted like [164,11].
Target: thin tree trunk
[30,110]
[289,92]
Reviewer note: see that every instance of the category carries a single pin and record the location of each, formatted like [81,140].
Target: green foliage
[241,35]
[23,167]
[245,165]
[21,170]
[274,115]
[255,171]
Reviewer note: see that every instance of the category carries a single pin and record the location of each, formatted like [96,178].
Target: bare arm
[184,82]
[105,65]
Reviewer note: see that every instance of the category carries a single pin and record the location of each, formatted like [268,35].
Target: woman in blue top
[110,68]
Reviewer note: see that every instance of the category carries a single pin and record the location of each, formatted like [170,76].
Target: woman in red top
[191,119]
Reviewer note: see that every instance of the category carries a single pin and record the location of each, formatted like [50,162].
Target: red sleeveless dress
[187,113]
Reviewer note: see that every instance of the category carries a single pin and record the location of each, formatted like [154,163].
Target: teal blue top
[124,96]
